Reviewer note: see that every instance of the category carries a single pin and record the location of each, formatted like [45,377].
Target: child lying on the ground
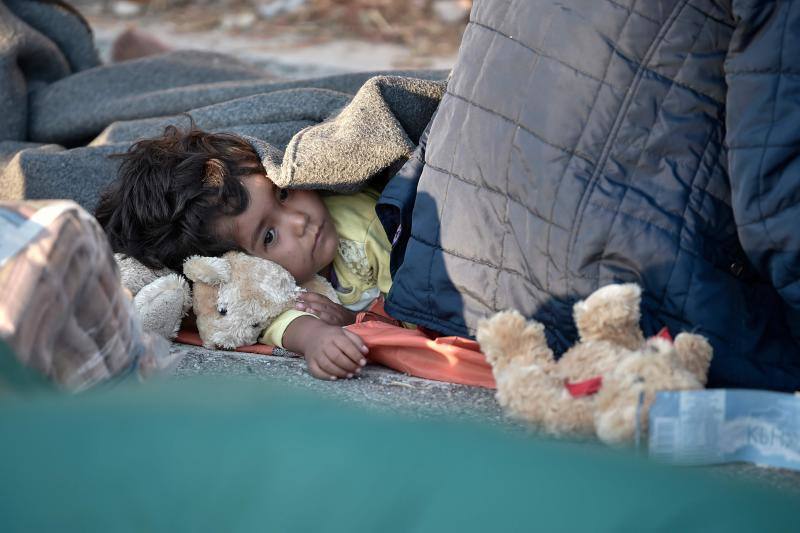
[192,192]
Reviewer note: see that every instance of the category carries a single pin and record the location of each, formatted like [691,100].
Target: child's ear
[211,270]
[214,173]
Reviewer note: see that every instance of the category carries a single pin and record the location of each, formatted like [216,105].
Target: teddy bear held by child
[604,382]
[235,296]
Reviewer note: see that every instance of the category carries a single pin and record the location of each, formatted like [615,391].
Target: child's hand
[327,311]
[333,352]
[330,351]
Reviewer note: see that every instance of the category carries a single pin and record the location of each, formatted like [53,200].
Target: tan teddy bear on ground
[236,296]
[604,383]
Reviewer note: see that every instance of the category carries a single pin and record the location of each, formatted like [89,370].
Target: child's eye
[283,195]
[270,236]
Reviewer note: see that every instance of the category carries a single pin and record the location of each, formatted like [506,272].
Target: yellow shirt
[361,264]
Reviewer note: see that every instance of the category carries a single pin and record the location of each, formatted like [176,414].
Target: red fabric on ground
[450,359]
[187,336]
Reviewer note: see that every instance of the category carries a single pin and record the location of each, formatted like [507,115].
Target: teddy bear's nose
[222,311]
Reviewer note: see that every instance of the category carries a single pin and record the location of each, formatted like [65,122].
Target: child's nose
[299,221]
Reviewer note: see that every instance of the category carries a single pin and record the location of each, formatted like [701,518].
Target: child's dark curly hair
[171,191]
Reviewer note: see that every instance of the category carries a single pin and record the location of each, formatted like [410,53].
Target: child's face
[290,227]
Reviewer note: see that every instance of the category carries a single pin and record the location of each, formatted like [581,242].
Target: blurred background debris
[292,38]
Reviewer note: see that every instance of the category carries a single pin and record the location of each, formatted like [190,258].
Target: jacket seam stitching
[438,228]
[511,271]
[641,154]
[479,261]
[765,145]
[604,155]
[792,205]
[542,53]
[639,63]
[769,133]
[495,191]
[594,169]
[630,10]
[550,222]
[712,17]
[566,166]
[506,227]
[564,149]
[759,71]
[708,143]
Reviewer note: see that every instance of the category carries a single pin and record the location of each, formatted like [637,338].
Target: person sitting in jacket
[587,143]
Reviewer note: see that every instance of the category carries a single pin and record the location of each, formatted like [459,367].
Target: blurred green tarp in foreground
[233,455]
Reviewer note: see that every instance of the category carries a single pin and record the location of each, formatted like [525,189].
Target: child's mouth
[318,235]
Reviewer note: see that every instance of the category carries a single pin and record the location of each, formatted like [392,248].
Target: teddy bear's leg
[507,336]
[611,314]
[694,352]
[617,410]
[526,392]
[522,364]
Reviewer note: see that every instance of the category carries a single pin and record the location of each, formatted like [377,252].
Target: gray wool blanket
[62,112]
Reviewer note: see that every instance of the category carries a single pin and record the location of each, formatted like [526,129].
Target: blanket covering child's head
[192,192]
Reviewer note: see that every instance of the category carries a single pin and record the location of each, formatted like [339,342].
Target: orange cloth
[189,336]
[450,359]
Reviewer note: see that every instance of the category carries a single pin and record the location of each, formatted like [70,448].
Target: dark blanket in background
[62,112]
[583,142]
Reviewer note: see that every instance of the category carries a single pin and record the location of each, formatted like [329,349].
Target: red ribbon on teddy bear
[592,385]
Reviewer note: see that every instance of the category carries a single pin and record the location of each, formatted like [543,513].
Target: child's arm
[331,351]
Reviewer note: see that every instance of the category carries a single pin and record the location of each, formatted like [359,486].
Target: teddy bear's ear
[211,270]
[277,283]
[611,313]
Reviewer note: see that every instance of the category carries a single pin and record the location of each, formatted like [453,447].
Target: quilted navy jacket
[585,142]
